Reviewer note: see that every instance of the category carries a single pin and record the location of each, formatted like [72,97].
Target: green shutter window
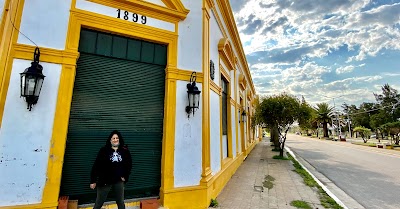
[134,49]
[115,92]
[147,52]
[119,47]
[87,43]
[104,43]
[160,55]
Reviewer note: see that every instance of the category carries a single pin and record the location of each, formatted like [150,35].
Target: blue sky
[322,49]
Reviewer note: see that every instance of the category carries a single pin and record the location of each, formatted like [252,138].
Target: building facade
[123,65]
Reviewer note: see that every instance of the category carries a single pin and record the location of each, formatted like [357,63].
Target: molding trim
[233,102]
[169,13]
[226,53]
[215,88]
[184,75]
[22,51]
[176,5]
[224,73]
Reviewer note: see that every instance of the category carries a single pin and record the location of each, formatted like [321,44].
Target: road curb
[316,179]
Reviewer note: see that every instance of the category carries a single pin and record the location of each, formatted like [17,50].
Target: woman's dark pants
[102,193]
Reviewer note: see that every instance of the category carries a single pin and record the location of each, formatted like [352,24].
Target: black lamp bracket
[36,55]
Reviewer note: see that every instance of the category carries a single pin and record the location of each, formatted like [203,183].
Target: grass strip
[300,204]
[278,157]
[365,144]
[326,200]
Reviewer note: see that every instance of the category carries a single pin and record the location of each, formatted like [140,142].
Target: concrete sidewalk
[247,187]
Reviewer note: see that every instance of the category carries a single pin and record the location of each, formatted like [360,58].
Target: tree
[279,111]
[376,122]
[364,132]
[389,100]
[392,129]
[305,116]
[323,115]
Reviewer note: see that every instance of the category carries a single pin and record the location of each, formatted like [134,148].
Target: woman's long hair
[121,140]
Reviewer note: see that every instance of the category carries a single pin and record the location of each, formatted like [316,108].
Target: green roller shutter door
[117,87]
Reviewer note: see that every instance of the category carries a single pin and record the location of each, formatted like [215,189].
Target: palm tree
[323,115]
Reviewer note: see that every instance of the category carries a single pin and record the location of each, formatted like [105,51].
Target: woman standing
[111,169]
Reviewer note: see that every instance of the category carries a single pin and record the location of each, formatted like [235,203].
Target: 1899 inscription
[127,16]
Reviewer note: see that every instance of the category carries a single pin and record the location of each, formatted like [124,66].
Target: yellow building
[125,65]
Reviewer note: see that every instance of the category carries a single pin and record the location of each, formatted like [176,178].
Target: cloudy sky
[322,49]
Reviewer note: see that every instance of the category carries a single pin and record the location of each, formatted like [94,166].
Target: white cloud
[349,81]
[348,68]
[345,69]
[284,49]
[391,74]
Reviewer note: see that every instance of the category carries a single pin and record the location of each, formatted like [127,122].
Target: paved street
[368,175]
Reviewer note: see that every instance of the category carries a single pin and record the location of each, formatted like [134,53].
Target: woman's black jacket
[110,167]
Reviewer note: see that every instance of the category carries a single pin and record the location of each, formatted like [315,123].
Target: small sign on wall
[212,70]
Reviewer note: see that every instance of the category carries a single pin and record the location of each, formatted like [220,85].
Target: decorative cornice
[226,51]
[229,20]
[242,82]
[172,13]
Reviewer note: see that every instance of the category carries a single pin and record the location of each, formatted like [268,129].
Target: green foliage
[213,203]
[300,204]
[364,132]
[365,144]
[276,150]
[279,110]
[388,99]
[306,118]
[325,199]
[323,114]
[308,180]
[277,113]
[278,157]
[378,119]
[392,129]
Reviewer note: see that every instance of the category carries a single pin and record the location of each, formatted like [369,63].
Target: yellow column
[237,106]
[206,170]
[8,36]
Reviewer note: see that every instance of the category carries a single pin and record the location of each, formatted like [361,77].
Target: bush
[213,203]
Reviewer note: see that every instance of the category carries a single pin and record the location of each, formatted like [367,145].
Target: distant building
[123,65]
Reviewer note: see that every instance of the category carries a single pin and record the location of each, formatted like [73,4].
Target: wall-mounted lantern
[244,116]
[193,95]
[32,80]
